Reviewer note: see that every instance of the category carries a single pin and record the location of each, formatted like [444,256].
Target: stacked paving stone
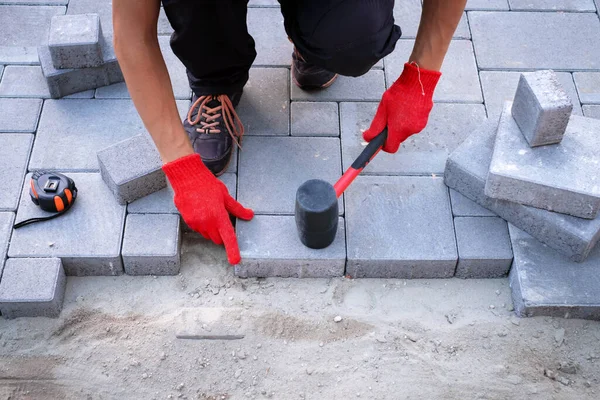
[78,57]
[537,168]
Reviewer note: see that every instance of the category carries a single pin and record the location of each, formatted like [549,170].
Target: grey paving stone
[562,178]
[164,26]
[86,94]
[369,87]
[592,111]
[501,86]
[269,246]
[501,5]
[588,86]
[32,287]
[466,172]
[161,202]
[74,41]
[36,2]
[315,119]
[181,86]
[6,223]
[14,155]
[87,238]
[271,169]
[103,8]
[19,115]
[72,131]
[265,106]
[263,3]
[407,14]
[63,82]
[422,154]
[465,207]
[552,5]
[523,40]
[1,70]
[22,29]
[152,244]
[272,45]
[545,283]
[541,108]
[459,82]
[24,81]
[484,249]
[132,168]
[399,227]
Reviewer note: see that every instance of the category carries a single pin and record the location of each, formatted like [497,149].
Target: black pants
[343,36]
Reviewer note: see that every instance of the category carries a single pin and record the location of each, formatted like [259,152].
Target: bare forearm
[146,75]
[438,23]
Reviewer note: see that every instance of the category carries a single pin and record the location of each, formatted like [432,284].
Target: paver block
[270,246]
[23,29]
[87,238]
[19,115]
[464,207]
[102,8]
[459,82]
[6,223]
[543,282]
[541,108]
[24,81]
[272,169]
[32,287]
[161,202]
[562,178]
[484,249]
[399,227]
[368,87]
[72,131]
[588,86]
[554,5]
[421,154]
[74,41]
[501,86]
[132,168]
[485,5]
[315,119]
[592,111]
[522,40]
[272,45]
[14,155]
[151,244]
[466,172]
[265,105]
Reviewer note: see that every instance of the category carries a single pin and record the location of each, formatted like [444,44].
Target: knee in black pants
[343,36]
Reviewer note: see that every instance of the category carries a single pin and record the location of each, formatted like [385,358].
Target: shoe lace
[208,117]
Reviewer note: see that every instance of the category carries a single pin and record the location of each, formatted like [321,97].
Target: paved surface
[293,135]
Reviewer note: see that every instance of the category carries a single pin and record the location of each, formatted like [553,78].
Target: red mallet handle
[360,163]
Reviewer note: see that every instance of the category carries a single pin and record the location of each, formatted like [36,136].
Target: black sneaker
[214,128]
[308,76]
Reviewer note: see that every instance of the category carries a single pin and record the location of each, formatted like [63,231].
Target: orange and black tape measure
[52,192]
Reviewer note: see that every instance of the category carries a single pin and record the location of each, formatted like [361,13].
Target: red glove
[204,203]
[404,107]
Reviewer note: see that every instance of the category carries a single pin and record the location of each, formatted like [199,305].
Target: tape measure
[52,192]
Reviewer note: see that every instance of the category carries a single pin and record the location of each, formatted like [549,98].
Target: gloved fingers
[392,144]
[215,236]
[231,245]
[378,124]
[238,210]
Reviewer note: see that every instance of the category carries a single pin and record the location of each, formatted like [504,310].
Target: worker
[330,37]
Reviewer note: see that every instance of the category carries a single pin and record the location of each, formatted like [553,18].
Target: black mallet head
[316,213]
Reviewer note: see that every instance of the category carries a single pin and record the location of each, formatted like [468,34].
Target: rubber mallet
[317,200]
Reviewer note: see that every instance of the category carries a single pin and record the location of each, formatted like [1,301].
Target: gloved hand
[205,203]
[404,107]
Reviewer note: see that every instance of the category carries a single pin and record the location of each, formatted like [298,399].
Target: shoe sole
[325,85]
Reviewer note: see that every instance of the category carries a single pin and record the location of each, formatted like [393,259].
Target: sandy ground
[279,339]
